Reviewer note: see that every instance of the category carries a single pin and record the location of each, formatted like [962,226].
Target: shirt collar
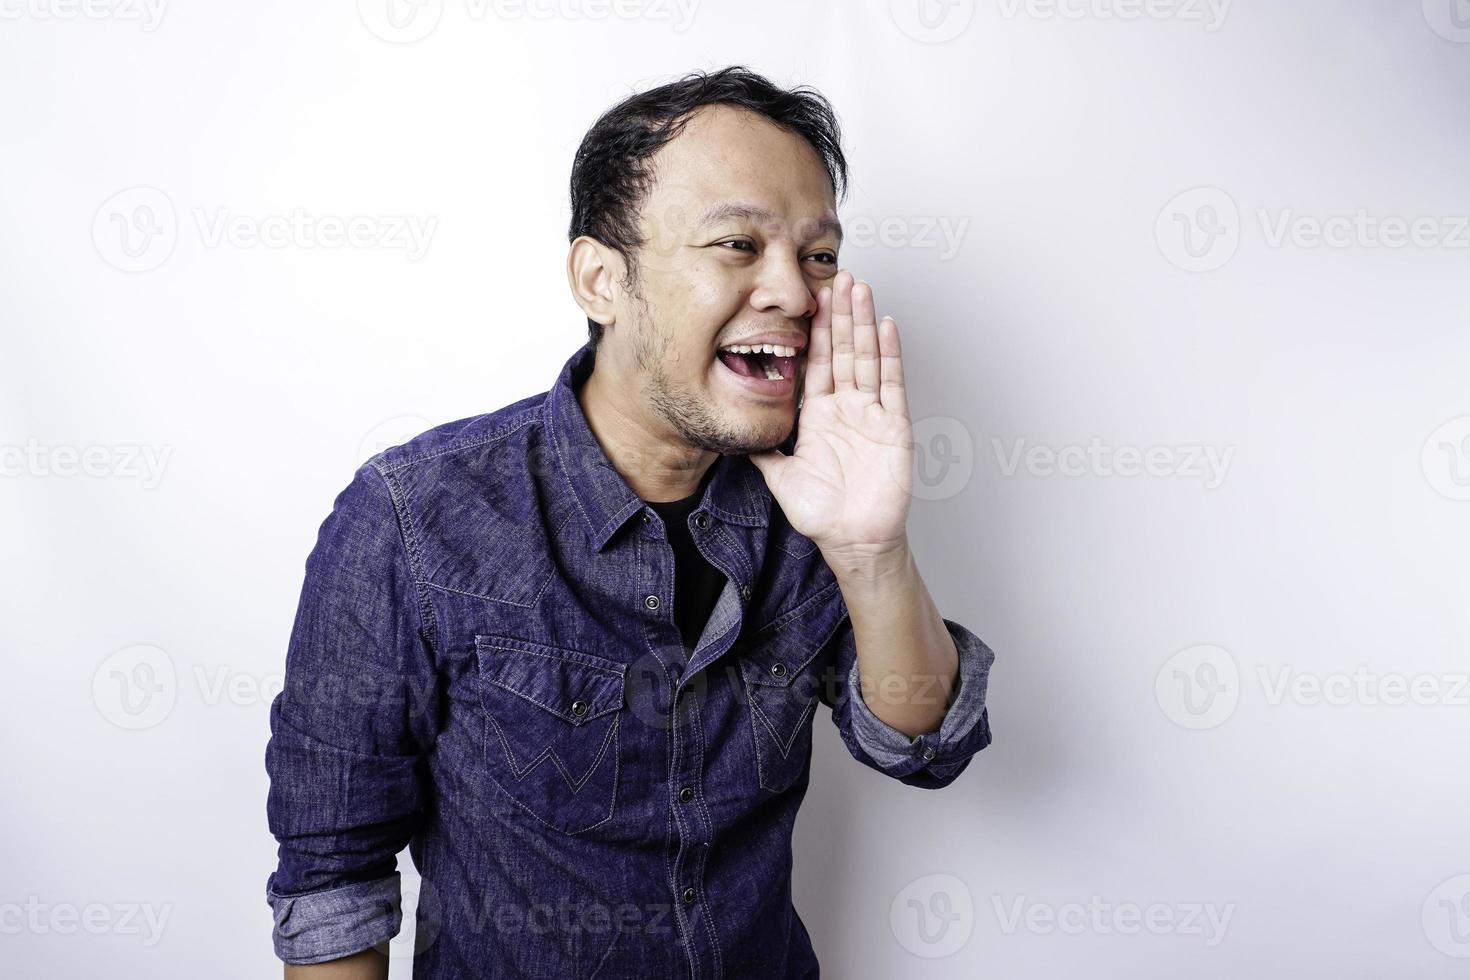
[736,493]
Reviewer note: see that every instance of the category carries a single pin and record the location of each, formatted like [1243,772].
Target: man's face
[741,233]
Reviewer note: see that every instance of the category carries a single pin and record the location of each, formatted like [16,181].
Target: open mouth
[760,366]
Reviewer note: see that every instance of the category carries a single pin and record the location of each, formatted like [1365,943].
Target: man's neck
[657,469]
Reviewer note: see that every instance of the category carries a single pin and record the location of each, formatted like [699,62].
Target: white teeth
[772,374]
[780,350]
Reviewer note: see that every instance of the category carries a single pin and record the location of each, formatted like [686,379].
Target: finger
[818,380]
[842,331]
[892,395]
[864,339]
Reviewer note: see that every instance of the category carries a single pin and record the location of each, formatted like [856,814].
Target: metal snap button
[651,602]
[579,707]
[686,794]
[647,519]
[702,521]
[689,896]
[928,752]
[778,669]
[745,592]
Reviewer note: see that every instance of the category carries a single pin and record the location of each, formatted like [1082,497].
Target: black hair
[610,173]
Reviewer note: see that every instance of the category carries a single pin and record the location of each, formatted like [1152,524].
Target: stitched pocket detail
[552,719]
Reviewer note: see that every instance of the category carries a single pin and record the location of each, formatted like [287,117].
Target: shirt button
[745,592]
[689,896]
[647,519]
[928,752]
[686,794]
[778,669]
[702,521]
[651,602]
[579,707]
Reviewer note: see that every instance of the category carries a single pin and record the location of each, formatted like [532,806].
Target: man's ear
[593,271]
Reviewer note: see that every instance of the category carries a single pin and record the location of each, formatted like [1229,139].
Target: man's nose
[783,287]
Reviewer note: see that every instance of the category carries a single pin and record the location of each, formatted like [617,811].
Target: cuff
[337,922]
[964,731]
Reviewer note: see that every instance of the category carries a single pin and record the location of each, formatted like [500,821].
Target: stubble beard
[687,412]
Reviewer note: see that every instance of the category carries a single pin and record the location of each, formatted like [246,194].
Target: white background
[1146,752]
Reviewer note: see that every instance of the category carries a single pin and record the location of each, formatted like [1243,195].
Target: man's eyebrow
[723,212]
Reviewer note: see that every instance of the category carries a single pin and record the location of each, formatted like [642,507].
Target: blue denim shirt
[485,667]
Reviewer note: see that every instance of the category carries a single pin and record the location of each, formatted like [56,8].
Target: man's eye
[826,257]
[737,241]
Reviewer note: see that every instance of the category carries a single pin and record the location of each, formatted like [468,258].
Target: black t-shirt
[697,583]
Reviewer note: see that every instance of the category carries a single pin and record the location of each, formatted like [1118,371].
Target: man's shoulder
[454,443]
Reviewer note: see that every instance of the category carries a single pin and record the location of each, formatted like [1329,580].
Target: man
[569,652]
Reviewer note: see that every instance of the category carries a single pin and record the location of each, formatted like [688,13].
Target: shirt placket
[689,812]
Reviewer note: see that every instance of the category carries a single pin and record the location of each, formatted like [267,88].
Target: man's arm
[907,660]
[933,719]
[349,735]
[367,965]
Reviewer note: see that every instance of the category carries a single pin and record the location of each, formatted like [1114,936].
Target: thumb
[770,463]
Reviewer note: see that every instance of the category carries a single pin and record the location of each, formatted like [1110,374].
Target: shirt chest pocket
[551,732]
[783,676]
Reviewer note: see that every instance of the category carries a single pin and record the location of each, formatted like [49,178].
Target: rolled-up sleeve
[350,732]
[932,760]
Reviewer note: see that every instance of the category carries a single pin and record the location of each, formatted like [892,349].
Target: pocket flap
[781,650]
[576,687]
